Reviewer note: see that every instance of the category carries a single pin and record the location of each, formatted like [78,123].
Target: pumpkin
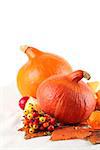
[66,97]
[39,67]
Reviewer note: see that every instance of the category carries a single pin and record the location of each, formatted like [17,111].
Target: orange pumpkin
[40,66]
[67,97]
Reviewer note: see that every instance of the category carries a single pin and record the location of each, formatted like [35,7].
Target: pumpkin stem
[30,51]
[86,75]
[78,75]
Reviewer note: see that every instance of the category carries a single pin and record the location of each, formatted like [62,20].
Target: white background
[70,28]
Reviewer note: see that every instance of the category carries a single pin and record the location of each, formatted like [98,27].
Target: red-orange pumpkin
[66,97]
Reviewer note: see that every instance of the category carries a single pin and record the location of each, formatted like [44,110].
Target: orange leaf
[70,133]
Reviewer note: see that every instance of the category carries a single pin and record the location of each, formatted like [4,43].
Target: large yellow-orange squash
[40,66]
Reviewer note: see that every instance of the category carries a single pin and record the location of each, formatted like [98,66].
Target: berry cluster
[36,121]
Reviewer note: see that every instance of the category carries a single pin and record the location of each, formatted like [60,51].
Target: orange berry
[25,122]
[45,124]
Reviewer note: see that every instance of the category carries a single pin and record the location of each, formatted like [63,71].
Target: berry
[36,121]
[35,126]
[52,121]
[30,109]
[42,119]
[25,126]
[45,124]
[51,128]
[31,130]
[31,121]
[26,112]
[30,124]
[23,101]
[35,114]
[41,128]
[30,116]
[25,121]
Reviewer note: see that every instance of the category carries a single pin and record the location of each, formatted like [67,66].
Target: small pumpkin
[39,67]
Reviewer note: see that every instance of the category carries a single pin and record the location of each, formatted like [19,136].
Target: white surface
[10,121]
[70,28]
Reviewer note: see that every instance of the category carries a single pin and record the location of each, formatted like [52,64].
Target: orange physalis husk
[98,100]
[94,120]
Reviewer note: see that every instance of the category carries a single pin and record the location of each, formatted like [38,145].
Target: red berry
[41,128]
[31,121]
[30,124]
[36,121]
[52,121]
[23,101]
[45,124]
[51,128]
[35,114]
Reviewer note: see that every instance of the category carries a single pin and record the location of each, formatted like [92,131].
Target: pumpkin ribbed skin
[68,101]
[39,67]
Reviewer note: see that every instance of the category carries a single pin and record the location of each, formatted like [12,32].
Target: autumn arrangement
[56,101]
